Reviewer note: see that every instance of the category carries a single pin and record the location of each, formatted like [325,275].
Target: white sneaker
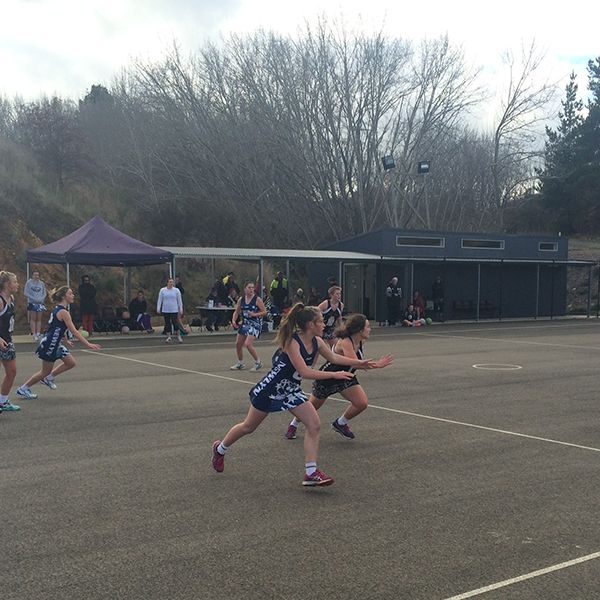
[256,367]
[168,340]
[180,339]
[238,367]
[50,383]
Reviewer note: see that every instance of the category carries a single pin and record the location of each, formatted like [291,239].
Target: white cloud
[65,46]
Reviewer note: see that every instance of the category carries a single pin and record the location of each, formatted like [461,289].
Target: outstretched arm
[337,359]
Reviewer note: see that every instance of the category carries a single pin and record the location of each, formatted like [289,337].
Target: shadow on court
[463,481]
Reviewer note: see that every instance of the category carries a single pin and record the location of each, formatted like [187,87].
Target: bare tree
[523,109]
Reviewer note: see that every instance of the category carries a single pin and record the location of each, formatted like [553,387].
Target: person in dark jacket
[437,295]
[393,294]
[87,304]
[138,313]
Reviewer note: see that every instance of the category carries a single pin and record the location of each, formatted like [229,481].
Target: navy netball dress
[51,348]
[330,317]
[250,325]
[281,389]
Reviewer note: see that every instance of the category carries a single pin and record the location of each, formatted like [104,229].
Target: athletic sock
[24,388]
[311,468]
[50,377]
[3,399]
[342,421]
[295,422]
[222,449]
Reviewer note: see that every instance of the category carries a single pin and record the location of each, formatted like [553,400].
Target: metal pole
[598,295]
[553,267]
[537,293]
[28,315]
[287,271]
[478,291]
[212,267]
[261,278]
[589,300]
[426,201]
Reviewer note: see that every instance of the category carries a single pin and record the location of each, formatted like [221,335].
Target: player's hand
[236,325]
[3,344]
[70,343]
[342,375]
[94,346]
[384,361]
[366,364]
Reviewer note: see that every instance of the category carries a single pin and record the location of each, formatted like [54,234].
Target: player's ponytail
[297,318]
[5,277]
[355,324]
[59,293]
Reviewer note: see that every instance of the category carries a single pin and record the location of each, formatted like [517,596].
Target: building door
[360,291]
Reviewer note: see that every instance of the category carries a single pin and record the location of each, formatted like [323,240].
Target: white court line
[532,575]
[510,341]
[395,410]
[151,364]
[474,426]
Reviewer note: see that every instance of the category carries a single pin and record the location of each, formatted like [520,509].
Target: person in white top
[171,306]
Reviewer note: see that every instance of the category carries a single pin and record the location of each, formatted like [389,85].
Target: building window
[548,246]
[427,242]
[483,244]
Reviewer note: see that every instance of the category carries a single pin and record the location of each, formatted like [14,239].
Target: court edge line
[396,410]
[532,575]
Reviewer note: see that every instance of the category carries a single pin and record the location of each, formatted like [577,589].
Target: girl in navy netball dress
[51,348]
[332,309]
[350,344]
[300,342]
[252,309]
[8,356]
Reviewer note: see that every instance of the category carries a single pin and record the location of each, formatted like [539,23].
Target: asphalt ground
[463,481]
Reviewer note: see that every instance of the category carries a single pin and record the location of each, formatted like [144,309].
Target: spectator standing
[393,294]
[279,290]
[35,292]
[437,295]
[170,305]
[87,304]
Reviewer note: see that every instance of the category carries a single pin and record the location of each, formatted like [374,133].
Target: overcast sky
[63,47]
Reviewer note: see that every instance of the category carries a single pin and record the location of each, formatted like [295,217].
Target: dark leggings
[171,325]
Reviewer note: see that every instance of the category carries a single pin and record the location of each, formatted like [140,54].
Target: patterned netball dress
[331,316]
[281,389]
[51,348]
[250,325]
[323,388]
[7,326]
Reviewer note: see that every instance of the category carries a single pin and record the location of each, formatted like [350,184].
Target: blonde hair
[333,289]
[297,319]
[5,277]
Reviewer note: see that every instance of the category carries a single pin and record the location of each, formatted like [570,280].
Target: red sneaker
[218,459]
[317,478]
[290,434]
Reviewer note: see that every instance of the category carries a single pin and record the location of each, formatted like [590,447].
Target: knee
[313,426]
[361,405]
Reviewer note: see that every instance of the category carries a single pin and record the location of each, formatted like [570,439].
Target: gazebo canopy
[97,243]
